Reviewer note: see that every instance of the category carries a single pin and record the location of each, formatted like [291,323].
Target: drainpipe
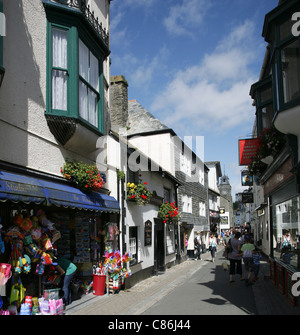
[178,254]
[123,214]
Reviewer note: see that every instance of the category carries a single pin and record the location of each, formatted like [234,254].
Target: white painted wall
[159,147]
[24,134]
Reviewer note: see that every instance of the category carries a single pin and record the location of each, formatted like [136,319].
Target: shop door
[159,246]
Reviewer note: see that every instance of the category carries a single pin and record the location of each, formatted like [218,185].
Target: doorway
[159,246]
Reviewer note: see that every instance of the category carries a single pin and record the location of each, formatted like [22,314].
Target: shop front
[284,235]
[42,221]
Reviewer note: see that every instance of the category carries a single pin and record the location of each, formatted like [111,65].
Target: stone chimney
[118,102]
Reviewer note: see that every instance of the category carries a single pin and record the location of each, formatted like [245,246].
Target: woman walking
[212,246]
[235,257]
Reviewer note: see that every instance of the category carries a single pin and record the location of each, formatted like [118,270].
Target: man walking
[198,243]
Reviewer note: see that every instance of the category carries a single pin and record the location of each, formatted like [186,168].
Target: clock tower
[225,188]
[225,203]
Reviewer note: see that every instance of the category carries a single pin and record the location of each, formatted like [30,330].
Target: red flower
[145,183]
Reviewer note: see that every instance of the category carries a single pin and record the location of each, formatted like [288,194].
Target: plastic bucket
[99,284]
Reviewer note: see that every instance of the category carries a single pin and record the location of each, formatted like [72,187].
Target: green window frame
[64,77]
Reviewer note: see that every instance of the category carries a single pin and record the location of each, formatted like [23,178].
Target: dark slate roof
[140,120]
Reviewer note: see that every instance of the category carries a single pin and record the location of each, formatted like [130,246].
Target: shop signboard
[247,198]
[148,233]
[247,149]
[247,179]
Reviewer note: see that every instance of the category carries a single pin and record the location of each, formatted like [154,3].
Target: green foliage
[168,212]
[87,177]
[139,193]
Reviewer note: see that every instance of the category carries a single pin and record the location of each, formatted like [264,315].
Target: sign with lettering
[247,198]
[148,233]
[247,150]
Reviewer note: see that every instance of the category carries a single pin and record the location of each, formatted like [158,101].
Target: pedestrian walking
[235,257]
[247,251]
[256,261]
[198,242]
[186,242]
[226,238]
[212,246]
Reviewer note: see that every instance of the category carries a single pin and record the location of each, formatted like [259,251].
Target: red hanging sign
[247,150]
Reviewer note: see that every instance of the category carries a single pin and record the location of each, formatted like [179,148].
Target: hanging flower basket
[271,141]
[87,177]
[138,193]
[169,213]
[257,167]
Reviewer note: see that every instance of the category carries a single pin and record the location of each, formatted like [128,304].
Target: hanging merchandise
[17,294]
[2,245]
[116,271]
[82,232]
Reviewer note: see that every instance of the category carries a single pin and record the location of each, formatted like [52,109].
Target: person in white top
[212,246]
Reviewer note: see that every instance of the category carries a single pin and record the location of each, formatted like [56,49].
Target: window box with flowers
[138,193]
[169,213]
[87,177]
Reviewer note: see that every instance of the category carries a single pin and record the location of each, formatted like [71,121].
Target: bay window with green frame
[74,74]
[262,93]
[285,54]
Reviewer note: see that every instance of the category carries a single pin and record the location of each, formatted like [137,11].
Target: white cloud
[189,14]
[140,71]
[215,93]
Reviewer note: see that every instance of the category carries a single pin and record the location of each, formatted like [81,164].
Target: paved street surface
[191,288]
[207,291]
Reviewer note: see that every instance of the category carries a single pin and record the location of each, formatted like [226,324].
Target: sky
[191,64]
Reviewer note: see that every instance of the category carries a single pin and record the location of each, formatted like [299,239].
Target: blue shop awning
[19,188]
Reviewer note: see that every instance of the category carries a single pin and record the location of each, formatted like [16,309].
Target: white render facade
[23,94]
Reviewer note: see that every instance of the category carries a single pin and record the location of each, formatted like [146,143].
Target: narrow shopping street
[191,288]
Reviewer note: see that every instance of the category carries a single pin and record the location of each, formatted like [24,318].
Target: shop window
[170,239]
[285,220]
[133,245]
